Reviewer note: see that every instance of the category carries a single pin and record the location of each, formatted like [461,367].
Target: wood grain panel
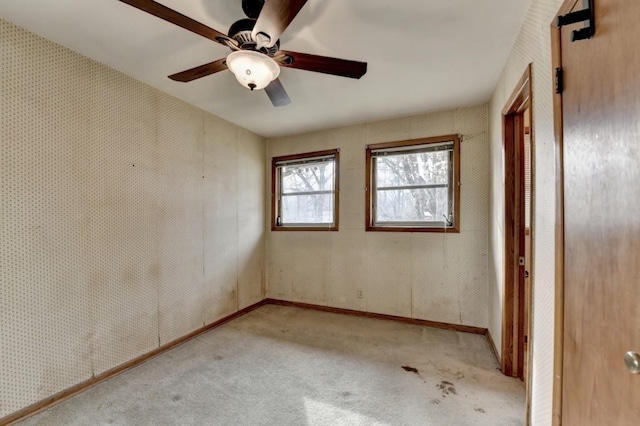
[601,154]
[509,247]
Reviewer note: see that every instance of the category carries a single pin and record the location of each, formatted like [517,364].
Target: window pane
[299,209]
[307,177]
[412,205]
[426,168]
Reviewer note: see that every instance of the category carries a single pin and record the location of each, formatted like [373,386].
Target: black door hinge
[559,81]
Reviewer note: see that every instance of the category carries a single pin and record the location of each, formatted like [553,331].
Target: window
[414,185]
[304,190]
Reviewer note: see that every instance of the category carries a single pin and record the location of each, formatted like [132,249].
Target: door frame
[514,288]
[558,130]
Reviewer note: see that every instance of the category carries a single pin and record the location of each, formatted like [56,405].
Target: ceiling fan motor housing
[240,31]
[252,8]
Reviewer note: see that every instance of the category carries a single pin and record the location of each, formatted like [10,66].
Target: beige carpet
[286,366]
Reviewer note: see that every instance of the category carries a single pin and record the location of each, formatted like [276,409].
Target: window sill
[304,228]
[453,230]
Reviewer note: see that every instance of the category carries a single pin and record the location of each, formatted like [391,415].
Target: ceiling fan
[256,57]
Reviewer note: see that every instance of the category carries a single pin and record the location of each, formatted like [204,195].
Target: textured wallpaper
[431,276]
[533,45]
[128,218]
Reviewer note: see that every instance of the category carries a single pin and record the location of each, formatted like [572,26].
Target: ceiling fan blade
[323,64]
[201,71]
[277,94]
[170,15]
[275,17]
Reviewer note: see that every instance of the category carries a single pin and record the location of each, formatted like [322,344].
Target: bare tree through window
[401,193]
[413,184]
[305,191]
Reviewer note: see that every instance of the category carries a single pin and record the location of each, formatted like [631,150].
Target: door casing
[516,329]
[556,62]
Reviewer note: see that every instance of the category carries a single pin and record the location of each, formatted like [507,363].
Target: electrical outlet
[360,294]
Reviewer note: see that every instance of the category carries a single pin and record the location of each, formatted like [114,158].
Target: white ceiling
[423,55]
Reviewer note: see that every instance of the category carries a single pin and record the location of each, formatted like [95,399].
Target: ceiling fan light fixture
[253,70]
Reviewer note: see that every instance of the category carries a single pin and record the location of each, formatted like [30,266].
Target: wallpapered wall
[432,276]
[128,218]
[533,45]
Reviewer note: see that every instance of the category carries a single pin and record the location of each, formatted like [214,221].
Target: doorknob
[632,359]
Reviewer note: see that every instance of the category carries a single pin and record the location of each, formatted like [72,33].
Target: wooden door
[601,167]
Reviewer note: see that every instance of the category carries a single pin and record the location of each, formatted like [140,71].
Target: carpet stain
[414,371]
[410,369]
[435,401]
[345,394]
[480,410]
[176,398]
[447,388]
